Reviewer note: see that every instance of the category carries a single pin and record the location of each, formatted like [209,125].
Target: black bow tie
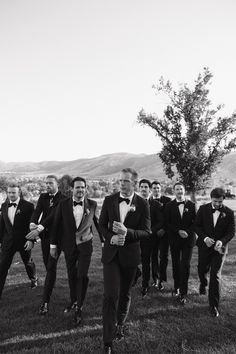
[77,203]
[179,203]
[12,204]
[124,200]
[213,210]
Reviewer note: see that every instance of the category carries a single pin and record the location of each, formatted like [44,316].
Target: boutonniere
[50,203]
[18,212]
[87,211]
[132,208]
[222,215]
[185,210]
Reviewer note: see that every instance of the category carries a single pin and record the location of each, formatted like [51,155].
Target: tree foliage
[194,136]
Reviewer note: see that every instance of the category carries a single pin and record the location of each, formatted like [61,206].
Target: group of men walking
[134,228]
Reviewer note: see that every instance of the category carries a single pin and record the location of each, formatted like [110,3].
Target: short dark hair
[178,184]
[144,180]
[13,184]
[155,182]
[218,193]
[131,171]
[78,179]
[53,176]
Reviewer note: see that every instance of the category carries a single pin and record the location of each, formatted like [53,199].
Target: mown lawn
[157,324]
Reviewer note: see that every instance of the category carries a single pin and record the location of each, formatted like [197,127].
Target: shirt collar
[130,197]
[16,201]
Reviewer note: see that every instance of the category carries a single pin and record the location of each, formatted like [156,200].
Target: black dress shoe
[155,284]
[202,290]
[78,319]
[119,332]
[182,299]
[144,292]
[176,292]
[214,311]
[34,283]
[160,286]
[108,348]
[70,307]
[43,310]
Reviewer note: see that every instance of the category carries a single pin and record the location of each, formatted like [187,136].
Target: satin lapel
[177,211]
[18,211]
[116,207]
[211,221]
[85,212]
[133,202]
[70,213]
[220,216]
[5,211]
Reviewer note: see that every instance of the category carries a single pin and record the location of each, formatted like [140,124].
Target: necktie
[124,200]
[77,203]
[12,204]
[179,203]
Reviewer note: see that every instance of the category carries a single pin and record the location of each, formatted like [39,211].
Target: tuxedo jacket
[138,225]
[224,229]
[64,226]
[43,208]
[162,202]
[174,222]
[14,235]
[157,218]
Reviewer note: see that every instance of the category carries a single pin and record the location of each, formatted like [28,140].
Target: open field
[156,324]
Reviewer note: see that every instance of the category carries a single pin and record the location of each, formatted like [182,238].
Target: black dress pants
[6,257]
[77,265]
[118,282]
[181,255]
[160,250]
[211,260]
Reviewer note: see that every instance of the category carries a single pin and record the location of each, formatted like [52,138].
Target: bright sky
[74,74]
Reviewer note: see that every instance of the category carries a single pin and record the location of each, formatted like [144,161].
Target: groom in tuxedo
[215,227]
[179,217]
[75,217]
[124,220]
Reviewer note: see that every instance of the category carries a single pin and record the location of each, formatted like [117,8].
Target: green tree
[194,136]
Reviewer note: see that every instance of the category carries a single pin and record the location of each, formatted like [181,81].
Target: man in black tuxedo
[75,216]
[179,217]
[40,225]
[147,244]
[160,243]
[215,227]
[124,220]
[14,226]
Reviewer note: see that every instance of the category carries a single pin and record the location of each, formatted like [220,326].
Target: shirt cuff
[40,228]
[53,246]
[205,239]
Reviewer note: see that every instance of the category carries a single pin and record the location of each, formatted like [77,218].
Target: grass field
[156,324]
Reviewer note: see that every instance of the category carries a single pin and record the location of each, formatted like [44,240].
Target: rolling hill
[107,166]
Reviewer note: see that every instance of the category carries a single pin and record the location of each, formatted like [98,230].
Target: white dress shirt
[124,207]
[78,212]
[12,210]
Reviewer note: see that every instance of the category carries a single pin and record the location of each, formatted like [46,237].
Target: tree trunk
[193,196]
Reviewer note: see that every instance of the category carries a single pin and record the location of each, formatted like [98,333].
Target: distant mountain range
[108,166]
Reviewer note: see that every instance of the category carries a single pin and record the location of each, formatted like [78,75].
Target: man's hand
[118,240]
[218,246]
[209,241]
[160,233]
[33,226]
[33,235]
[119,228]
[183,233]
[28,245]
[53,252]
